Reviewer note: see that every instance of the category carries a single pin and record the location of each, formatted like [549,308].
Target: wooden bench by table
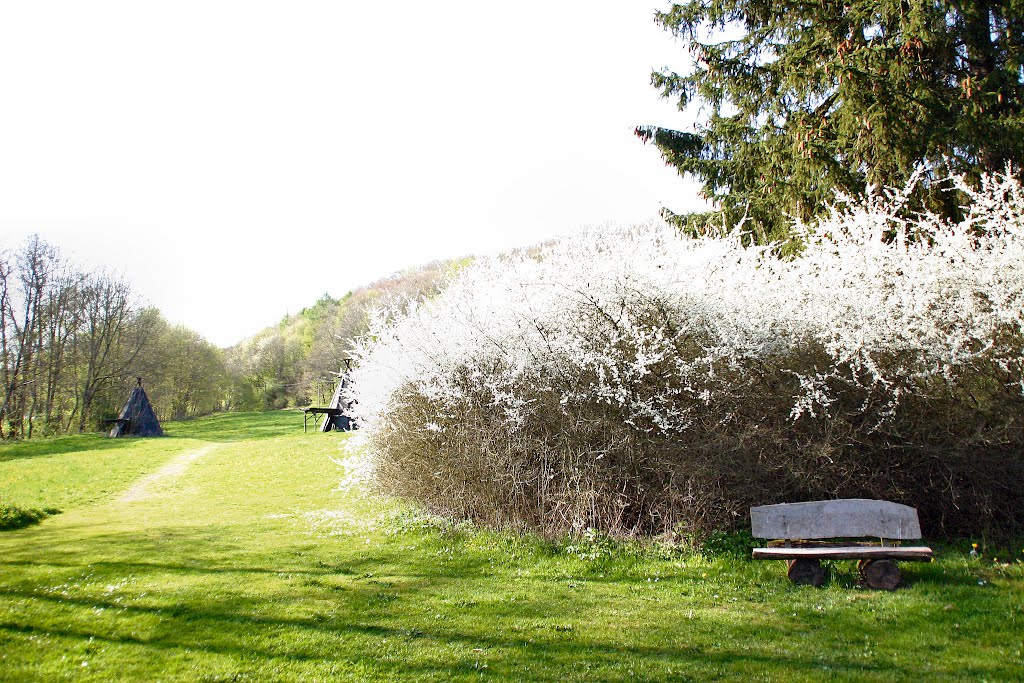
[796,532]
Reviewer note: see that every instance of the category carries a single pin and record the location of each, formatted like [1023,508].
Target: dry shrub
[638,384]
[567,469]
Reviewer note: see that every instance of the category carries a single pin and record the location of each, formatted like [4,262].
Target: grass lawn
[245,562]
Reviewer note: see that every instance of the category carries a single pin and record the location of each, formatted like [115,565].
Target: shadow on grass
[412,615]
[220,427]
[550,657]
[242,628]
[229,427]
[59,445]
[213,552]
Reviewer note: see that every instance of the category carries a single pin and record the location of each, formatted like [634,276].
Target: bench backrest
[848,518]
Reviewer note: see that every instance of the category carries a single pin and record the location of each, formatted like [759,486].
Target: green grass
[70,471]
[251,565]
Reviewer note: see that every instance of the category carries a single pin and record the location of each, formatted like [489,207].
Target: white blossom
[659,325]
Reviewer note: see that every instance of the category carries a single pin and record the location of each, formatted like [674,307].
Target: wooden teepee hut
[137,417]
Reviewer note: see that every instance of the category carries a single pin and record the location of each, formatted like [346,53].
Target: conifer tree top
[800,99]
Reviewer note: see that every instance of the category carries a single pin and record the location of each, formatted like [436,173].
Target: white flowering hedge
[634,381]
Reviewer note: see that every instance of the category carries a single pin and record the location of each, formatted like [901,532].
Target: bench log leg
[880,574]
[806,571]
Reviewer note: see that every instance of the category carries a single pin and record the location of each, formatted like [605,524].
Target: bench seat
[797,533]
[850,552]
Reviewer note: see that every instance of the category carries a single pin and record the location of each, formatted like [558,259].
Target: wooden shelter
[137,418]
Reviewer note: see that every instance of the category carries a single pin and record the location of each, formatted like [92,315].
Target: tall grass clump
[14,517]
[635,382]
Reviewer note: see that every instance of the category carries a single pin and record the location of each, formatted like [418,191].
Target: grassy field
[227,552]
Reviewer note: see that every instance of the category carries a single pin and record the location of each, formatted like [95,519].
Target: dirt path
[140,490]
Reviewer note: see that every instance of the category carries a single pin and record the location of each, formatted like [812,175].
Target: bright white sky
[236,160]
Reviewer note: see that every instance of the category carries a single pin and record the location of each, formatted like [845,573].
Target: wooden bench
[796,532]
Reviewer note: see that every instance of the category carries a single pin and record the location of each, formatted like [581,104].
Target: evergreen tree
[806,97]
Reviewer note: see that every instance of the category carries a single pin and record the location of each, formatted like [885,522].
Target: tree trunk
[806,571]
[981,64]
[880,574]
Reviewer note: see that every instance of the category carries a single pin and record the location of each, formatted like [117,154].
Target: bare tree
[22,309]
[106,314]
[61,321]
[6,350]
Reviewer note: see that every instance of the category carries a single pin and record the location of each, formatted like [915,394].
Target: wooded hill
[291,363]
